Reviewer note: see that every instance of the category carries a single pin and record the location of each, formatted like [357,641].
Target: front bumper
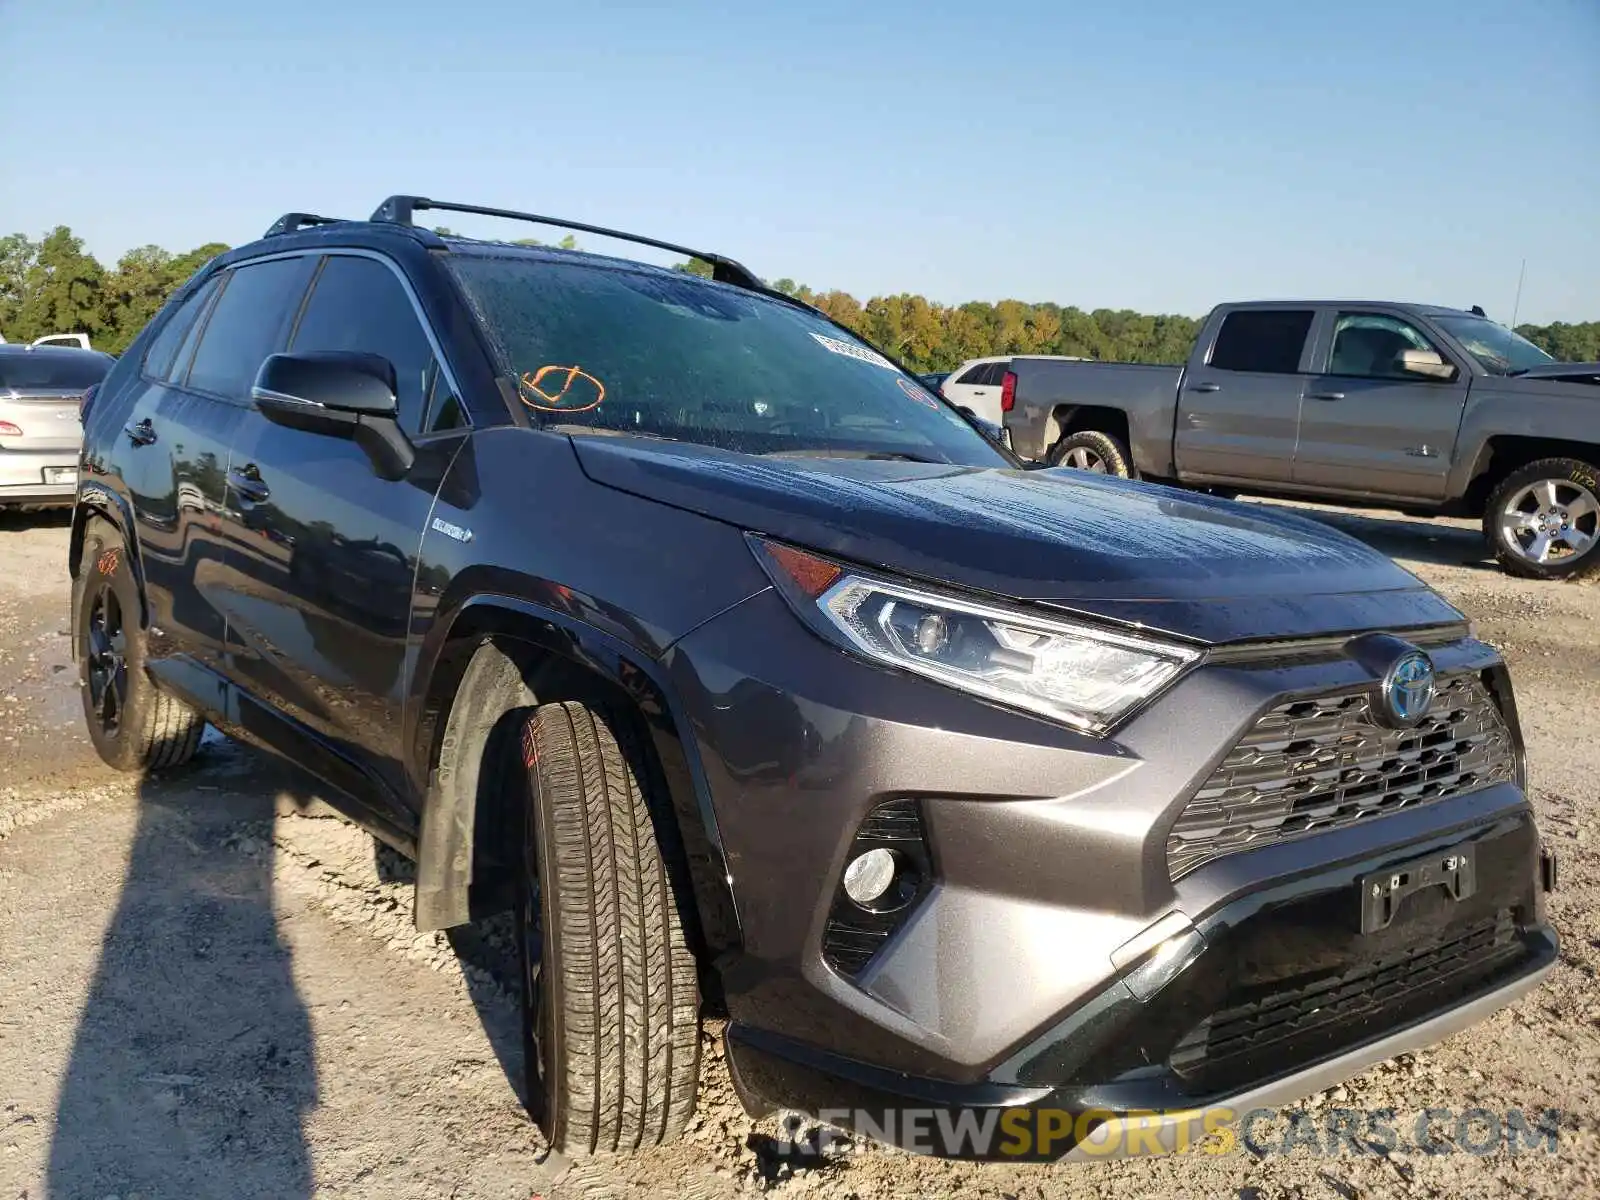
[1006,983]
[1047,1126]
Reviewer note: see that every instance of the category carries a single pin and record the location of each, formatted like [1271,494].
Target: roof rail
[400,210]
[290,222]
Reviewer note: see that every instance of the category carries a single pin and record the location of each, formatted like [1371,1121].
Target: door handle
[141,434]
[248,483]
[1326,396]
[1205,387]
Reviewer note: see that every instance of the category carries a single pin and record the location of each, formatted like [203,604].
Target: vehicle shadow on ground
[192,1067]
[490,962]
[1413,539]
[40,518]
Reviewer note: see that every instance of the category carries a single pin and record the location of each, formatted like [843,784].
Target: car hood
[1562,372]
[1137,553]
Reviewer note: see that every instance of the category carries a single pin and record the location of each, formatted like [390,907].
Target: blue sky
[1132,153]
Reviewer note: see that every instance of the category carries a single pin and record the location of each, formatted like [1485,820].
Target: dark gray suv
[758,682]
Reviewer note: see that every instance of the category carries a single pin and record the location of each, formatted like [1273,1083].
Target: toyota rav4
[756,680]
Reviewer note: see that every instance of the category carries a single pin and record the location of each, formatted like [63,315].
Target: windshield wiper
[606,431]
[872,455]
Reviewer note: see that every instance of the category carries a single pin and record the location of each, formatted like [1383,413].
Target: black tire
[1090,450]
[1556,500]
[134,725]
[611,1002]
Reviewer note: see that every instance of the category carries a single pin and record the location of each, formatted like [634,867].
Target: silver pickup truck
[1435,411]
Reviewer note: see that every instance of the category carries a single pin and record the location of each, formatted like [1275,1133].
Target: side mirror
[988,428]
[1424,363]
[338,381]
[338,394]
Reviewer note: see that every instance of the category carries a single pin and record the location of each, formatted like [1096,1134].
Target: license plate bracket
[1452,869]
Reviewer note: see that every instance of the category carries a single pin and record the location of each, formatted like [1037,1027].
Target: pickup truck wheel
[611,1006]
[1543,520]
[1089,450]
[133,724]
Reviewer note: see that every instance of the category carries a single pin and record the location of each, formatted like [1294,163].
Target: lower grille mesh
[1310,765]
[1249,1039]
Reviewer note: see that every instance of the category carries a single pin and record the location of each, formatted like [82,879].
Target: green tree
[1567,342]
[61,290]
[139,286]
[18,253]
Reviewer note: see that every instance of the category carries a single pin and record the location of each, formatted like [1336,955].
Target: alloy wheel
[107,660]
[1551,521]
[1084,459]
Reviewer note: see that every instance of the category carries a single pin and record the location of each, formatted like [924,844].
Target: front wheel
[1543,520]
[1090,450]
[611,1002]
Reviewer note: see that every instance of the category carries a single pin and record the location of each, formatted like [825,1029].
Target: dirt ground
[209,989]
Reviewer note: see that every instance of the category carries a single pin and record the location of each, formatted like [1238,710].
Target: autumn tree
[54,286]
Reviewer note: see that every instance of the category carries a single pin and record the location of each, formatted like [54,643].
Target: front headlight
[1086,677]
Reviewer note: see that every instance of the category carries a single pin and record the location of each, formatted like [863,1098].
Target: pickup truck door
[1238,409]
[1368,425]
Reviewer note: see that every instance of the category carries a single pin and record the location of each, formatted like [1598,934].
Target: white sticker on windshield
[857,352]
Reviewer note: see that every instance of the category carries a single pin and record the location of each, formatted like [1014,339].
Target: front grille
[1312,765]
[1249,1040]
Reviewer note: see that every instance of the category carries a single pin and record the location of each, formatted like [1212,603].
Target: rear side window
[1265,340]
[996,374]
[163,352]
[359,304]
[973,375]
[47,370]
[247,324]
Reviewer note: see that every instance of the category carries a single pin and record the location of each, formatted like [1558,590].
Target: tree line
[53,285]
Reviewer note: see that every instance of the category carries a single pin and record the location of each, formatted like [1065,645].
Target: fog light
[868,876]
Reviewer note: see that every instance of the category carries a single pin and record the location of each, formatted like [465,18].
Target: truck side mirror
[1424,363]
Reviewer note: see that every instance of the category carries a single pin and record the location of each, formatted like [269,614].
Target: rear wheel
[1543,520]
[133,724]
[611,1009]
[1090,450]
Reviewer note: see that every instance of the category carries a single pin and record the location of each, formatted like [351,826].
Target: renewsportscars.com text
[1043,1134]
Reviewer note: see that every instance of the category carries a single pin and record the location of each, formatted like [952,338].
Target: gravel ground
[210,987]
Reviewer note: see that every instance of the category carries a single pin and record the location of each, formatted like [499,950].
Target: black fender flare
[468,689]
[96,500]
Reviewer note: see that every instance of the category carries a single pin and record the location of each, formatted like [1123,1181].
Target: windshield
[622,349]
[53,370]
[1497,349]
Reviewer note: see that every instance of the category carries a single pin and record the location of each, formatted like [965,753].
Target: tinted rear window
[163,353]
[1267,340]
[53,370]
